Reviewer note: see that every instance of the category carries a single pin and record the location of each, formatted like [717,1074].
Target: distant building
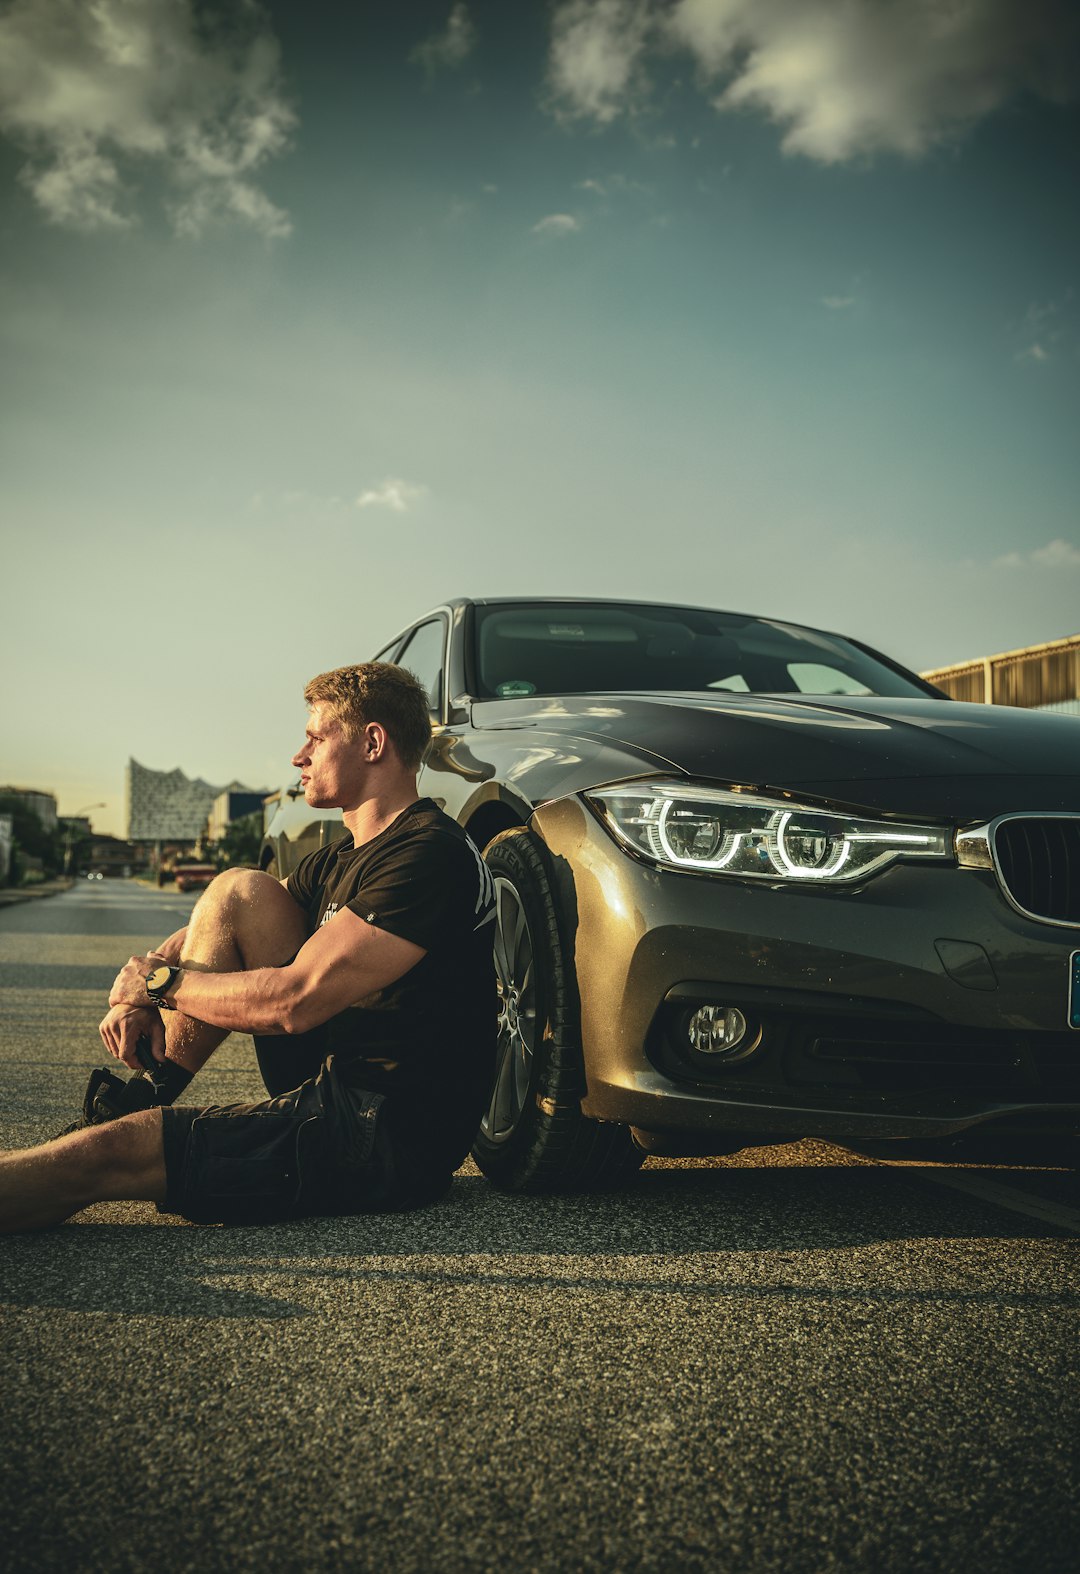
[109,855]
[230,805]
[1038,677]
[5,847]
[167,806]
[43,804]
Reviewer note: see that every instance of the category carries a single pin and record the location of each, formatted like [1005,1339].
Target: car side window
[423,656]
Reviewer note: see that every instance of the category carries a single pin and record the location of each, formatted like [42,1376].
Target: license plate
[1074,990]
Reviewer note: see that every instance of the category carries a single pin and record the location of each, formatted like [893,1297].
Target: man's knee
[256,913]
[240,886]
[120,1158]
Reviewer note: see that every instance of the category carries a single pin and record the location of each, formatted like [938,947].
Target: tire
[533,1137]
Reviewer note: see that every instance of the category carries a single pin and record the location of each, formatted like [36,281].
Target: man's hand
[129,985]
[131,1015]
[125,1025]
[128,999]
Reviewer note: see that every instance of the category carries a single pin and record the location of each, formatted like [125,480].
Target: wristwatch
[159,981]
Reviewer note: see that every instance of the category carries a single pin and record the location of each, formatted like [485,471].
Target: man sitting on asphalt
[366,977]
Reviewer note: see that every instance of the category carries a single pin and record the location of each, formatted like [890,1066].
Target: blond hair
[377,691]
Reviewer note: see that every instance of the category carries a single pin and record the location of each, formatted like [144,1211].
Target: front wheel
[534,1137]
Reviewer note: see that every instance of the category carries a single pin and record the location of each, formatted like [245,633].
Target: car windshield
[604,647]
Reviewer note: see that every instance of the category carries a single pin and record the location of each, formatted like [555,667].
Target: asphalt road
[794,1359]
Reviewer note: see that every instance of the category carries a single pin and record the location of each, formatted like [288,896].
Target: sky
[314,316]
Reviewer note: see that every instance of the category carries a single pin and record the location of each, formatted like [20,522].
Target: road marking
[1003,1197]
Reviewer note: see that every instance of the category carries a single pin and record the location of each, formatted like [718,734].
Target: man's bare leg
[244,919]
[121,1160]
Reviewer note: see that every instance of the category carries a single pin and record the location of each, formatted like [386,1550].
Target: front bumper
[917,1006]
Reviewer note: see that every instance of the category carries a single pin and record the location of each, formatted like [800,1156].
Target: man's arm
[343,961]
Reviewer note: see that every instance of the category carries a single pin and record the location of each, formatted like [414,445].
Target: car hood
[913,755]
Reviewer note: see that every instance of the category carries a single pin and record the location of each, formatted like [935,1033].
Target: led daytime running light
[715,830]
[779,854]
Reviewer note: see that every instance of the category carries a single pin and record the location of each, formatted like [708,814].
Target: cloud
[556,224]
[80,188]
[393,494]
[613,186]
[844,79]
[1045,328]
[1054,557]
[594,69]
[1056,554]
[97,95]
[448,50]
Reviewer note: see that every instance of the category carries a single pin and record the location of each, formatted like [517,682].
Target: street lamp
[68,845]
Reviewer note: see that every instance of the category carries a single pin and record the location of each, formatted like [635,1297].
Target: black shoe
[109,1096]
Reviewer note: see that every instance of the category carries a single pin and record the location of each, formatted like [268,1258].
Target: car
[755,882]
[194,876]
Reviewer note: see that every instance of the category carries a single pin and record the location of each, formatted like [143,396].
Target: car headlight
[718,831]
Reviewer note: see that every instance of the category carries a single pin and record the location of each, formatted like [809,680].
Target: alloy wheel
[515,974]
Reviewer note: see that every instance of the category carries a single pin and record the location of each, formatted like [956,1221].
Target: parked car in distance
[194,877]
[754,882]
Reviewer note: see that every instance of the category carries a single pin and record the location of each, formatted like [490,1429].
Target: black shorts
[327,1147]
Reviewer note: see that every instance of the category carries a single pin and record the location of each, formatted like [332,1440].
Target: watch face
[158,978]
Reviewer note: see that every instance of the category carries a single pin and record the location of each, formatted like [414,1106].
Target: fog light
[717,1030]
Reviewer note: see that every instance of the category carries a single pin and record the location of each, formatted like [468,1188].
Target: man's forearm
[261,1000]
[339,966]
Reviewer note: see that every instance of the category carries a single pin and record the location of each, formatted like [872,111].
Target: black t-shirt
[428,1039]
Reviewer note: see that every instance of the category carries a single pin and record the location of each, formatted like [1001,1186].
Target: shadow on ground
[713,1233]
